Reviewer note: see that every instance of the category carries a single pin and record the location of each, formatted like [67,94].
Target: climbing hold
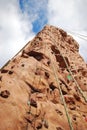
[77,97]
[5,94]
[69,77]
[47,74]
[37,55]
[74,117]
[22,65]
[59,128]
[52,86]
[59,112]
[69,99]
[72,107]
[4,71]
[86,118]
[28,103]
[38,124]
[10,72]
[46,124]
[48,62]
[33,103]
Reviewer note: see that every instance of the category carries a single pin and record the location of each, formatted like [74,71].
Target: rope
[75,80]
[62,97]
[81,92]
[84,37]
[63,100]
[36,66]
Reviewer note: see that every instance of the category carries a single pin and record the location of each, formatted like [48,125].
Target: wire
[82,36]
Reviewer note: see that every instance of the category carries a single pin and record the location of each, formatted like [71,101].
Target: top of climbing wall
[44,86]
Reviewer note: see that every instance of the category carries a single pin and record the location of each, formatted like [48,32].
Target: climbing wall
[44,86]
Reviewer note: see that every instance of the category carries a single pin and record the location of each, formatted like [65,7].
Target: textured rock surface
[29,85]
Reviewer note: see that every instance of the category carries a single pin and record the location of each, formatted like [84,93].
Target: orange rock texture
[44,87]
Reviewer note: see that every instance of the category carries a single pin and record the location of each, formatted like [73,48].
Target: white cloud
[15,29]
[60,13]
[70,15]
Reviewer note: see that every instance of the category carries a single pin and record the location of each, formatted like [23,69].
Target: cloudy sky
[20,20]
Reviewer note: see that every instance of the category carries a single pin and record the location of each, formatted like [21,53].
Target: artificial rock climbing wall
[45,85]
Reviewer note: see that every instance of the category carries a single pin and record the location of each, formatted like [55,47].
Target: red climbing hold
[86,118]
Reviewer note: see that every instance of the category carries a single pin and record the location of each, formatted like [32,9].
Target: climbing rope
[61,94]
[84,37]
[33,83]
[62,97]
[81,92]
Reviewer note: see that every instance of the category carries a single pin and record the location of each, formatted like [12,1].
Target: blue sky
[21,20]
[32,7]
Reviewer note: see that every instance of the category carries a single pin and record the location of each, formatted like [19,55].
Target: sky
[21,20]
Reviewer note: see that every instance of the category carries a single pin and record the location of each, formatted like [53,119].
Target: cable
[84,37]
